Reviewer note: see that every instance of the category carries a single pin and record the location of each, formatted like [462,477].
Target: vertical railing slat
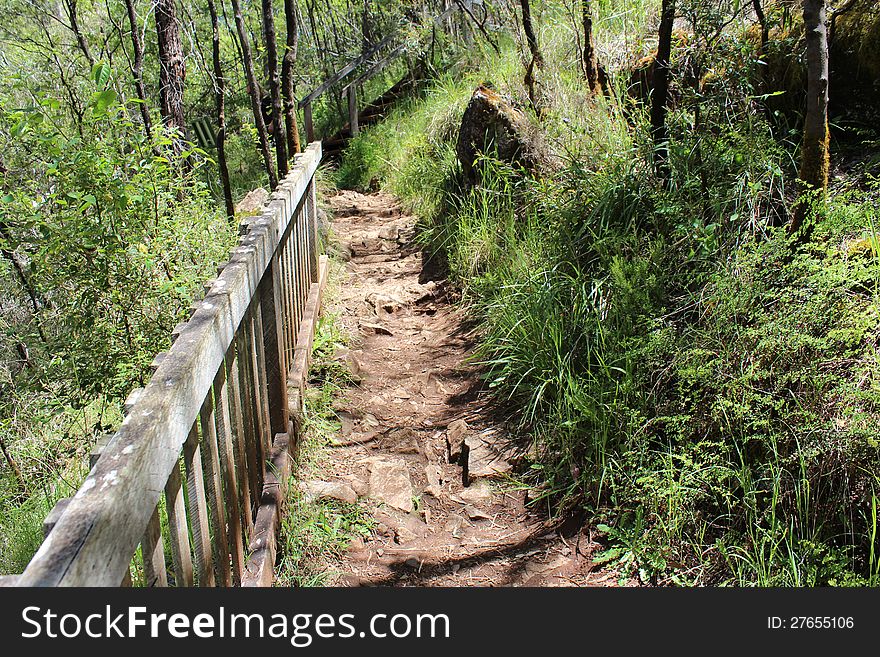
[286,280]
[153,552]
[250,413]
[261,382]
[312,225]
[301,287]
[223,426]
[242,468]
[178,531]
[198,509]
[276,381]
[214,489]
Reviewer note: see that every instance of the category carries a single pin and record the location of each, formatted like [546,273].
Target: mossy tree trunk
[815,155]
[762,21]
[537,59]
[137,68]
[590,59]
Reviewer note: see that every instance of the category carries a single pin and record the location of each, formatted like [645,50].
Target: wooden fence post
[311,204]
[310,126]
[353,110]
[276,379]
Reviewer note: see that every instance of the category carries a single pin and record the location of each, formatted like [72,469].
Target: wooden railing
[198,469]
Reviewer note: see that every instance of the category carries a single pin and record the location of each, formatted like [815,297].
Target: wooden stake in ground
[247,62]
[815,154]
[219,91]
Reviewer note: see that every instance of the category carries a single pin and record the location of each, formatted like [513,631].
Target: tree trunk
[287,64]
[172,70]
[219,90]
[137,69]
[815,156]
[278,122]
[537,60]
[762,21]
[660,97]
[254,92]
[591,61]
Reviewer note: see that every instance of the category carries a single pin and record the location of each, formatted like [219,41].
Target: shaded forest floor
[416,406]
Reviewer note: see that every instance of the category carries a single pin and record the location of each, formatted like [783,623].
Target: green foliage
[103,243]
[687,374]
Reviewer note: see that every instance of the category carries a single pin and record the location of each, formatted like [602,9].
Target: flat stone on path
[315,490]
[390,483]
[484,461]
[478,492]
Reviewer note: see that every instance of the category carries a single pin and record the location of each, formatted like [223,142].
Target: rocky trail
[418,445]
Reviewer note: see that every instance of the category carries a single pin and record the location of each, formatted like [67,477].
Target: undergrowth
[701,385]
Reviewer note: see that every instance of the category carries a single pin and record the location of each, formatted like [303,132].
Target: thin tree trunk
[537,60]
[172,70]
[278,122]
[13,466]
[591,61]
[815,155]
[254,92]
[287,64]
[762,21]
[660,97]
[137,69]
[36,300]
[70,6]
[219,91]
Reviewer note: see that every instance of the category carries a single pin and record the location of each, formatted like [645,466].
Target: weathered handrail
[217,409]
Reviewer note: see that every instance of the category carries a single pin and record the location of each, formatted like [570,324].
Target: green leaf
[19,128]
[607,555]
[103,100]
[101,74]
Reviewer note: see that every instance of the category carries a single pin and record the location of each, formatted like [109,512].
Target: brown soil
[415,387]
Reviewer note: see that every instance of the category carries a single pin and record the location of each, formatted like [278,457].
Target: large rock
[252,202]
[493,126]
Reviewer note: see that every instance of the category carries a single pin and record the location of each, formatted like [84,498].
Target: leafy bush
[103,238]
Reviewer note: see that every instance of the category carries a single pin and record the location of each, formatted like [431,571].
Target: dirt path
[415,417]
